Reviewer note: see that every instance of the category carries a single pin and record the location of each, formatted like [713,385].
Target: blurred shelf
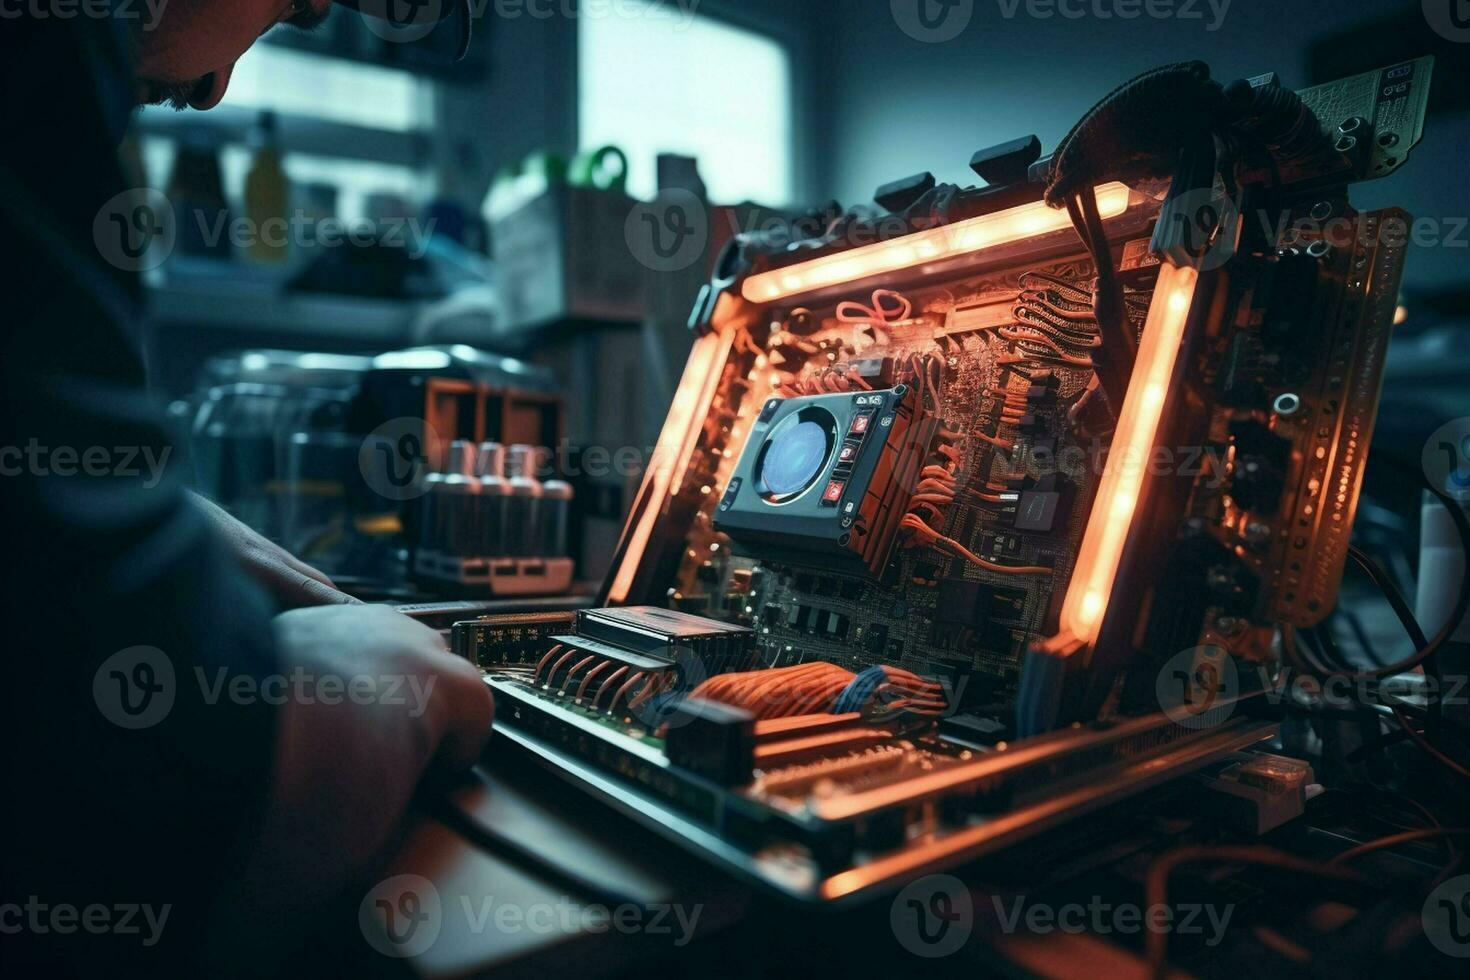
[236,296]
[299,134]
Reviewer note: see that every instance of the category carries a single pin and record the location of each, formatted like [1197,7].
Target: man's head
[186,57]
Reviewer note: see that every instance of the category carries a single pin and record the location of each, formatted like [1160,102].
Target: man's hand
[292,583]
[346,771]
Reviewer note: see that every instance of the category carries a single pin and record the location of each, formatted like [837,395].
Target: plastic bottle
[267,195]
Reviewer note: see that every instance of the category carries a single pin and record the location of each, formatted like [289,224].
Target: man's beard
[174,94]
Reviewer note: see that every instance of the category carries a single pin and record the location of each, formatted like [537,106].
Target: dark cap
[405,21]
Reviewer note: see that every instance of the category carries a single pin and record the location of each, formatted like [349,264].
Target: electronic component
[924,474]
[669,633]
[490,526]
[828,477]
[499,641]
[712,739]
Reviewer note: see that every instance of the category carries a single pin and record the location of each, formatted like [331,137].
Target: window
[298,83]
[666,81]
[306,86]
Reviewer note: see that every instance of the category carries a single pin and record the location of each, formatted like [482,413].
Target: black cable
[1429,747]
[1396,600]
[1112,319]
[1400,606]
[1147,117]
[1112,359]
[1431,647]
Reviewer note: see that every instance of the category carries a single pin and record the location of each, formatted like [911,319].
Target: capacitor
[556,509]
[494,501]
[459,502]
[431,522]
[523,527]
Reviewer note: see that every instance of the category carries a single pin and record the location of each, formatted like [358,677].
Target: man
[205,741]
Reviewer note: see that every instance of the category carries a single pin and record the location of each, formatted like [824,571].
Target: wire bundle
[627,686]
[939,486]
[888,308]
[820,687]
[922,535]
[829,380]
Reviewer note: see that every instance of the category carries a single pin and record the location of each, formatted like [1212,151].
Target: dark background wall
[891,105]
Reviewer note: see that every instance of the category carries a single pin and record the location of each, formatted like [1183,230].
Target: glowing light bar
[1127,463]
[947,242]
[675,448]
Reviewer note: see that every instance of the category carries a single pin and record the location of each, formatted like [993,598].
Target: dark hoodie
[99,812]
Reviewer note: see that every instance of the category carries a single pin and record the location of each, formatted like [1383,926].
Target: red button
[834,492]
[848,453]
[860,424]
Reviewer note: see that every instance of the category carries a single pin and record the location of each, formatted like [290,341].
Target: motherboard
[951,502]
[1007,358]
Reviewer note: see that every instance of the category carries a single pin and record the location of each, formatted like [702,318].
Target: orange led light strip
[946,242]
[675,448]
[1127,462]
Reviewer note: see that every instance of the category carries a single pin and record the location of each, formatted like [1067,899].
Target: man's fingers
[309,571]
[311,592]
[468,710]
